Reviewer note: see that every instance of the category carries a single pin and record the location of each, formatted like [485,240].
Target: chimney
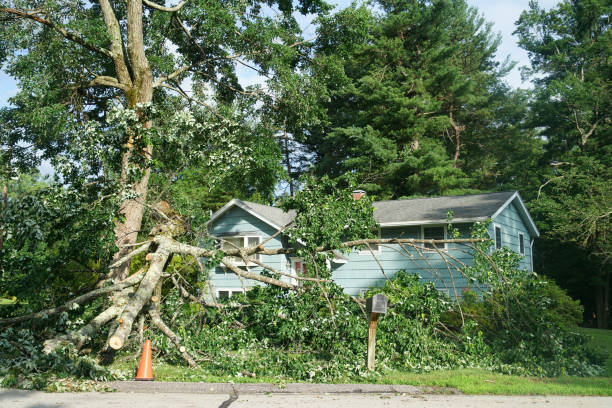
[357,194]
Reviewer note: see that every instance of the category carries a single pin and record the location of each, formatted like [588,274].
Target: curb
[267,388]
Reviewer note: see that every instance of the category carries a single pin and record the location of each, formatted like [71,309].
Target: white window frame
[231,291]
[521,236]
[292,261]
[245,243]
[501,236]
[423,247]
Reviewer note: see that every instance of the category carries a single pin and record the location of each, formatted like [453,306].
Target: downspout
[531,253]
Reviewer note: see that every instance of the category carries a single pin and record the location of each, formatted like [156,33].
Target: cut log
[140,298]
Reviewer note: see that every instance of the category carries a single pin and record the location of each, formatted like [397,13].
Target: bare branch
[156,319]
[256,276]
[164,8]
[103,80]
[69,35]
[171,76]
[190,99]
[132,254]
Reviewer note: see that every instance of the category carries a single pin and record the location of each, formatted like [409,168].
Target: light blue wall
[234,222]
[512,223]
[362,271]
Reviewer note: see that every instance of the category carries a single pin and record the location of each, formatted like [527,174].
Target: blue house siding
[512,224]
[239,222]
[362,271]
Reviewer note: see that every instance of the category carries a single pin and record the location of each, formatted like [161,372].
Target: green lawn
[601,339]
[476,381]
[468,381]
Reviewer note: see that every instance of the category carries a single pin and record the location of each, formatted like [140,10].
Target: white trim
[521,235]
[423,247]
[522,209]
[238,203]
[432,222]
[245,243]
[501,236]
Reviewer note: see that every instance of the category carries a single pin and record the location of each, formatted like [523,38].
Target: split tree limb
[131,281]
[85,333]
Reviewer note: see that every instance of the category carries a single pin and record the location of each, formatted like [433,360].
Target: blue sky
[503,14]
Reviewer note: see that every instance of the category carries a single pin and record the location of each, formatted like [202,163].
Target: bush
[320,334]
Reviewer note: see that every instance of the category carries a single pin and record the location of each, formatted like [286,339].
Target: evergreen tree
[569,47]
[409,98]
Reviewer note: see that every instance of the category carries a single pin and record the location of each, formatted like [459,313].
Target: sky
[503,14]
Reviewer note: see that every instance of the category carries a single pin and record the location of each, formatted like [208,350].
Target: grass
[602,340]
[478,381]
[468,381]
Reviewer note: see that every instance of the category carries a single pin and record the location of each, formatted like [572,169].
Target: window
[498,237]
[230,243]
[521,244]
[298,267]
[227,293]
[434,232]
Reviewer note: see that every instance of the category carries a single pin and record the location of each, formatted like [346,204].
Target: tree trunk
[457,128]
[140,92]
[602,302]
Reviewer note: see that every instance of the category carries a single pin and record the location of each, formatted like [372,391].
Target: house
[243,223]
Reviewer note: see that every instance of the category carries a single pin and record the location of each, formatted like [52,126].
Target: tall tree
[74,61]
[569,47]
[409,97]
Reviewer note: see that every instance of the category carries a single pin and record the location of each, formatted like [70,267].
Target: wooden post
[375,305]
[372,340]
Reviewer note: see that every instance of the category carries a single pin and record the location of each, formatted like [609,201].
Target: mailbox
[377,304]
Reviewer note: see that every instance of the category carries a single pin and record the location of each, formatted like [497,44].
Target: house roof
[417,211]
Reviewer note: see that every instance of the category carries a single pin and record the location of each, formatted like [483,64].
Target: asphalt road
[33,399]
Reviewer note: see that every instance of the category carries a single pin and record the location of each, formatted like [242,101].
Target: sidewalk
[267,388]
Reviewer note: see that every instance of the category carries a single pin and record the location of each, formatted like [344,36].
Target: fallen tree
[133,297]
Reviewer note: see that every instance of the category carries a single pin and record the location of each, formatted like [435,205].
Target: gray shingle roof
[466,208]
[274,214]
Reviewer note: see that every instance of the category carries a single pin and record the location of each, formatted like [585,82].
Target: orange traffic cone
[145,369]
